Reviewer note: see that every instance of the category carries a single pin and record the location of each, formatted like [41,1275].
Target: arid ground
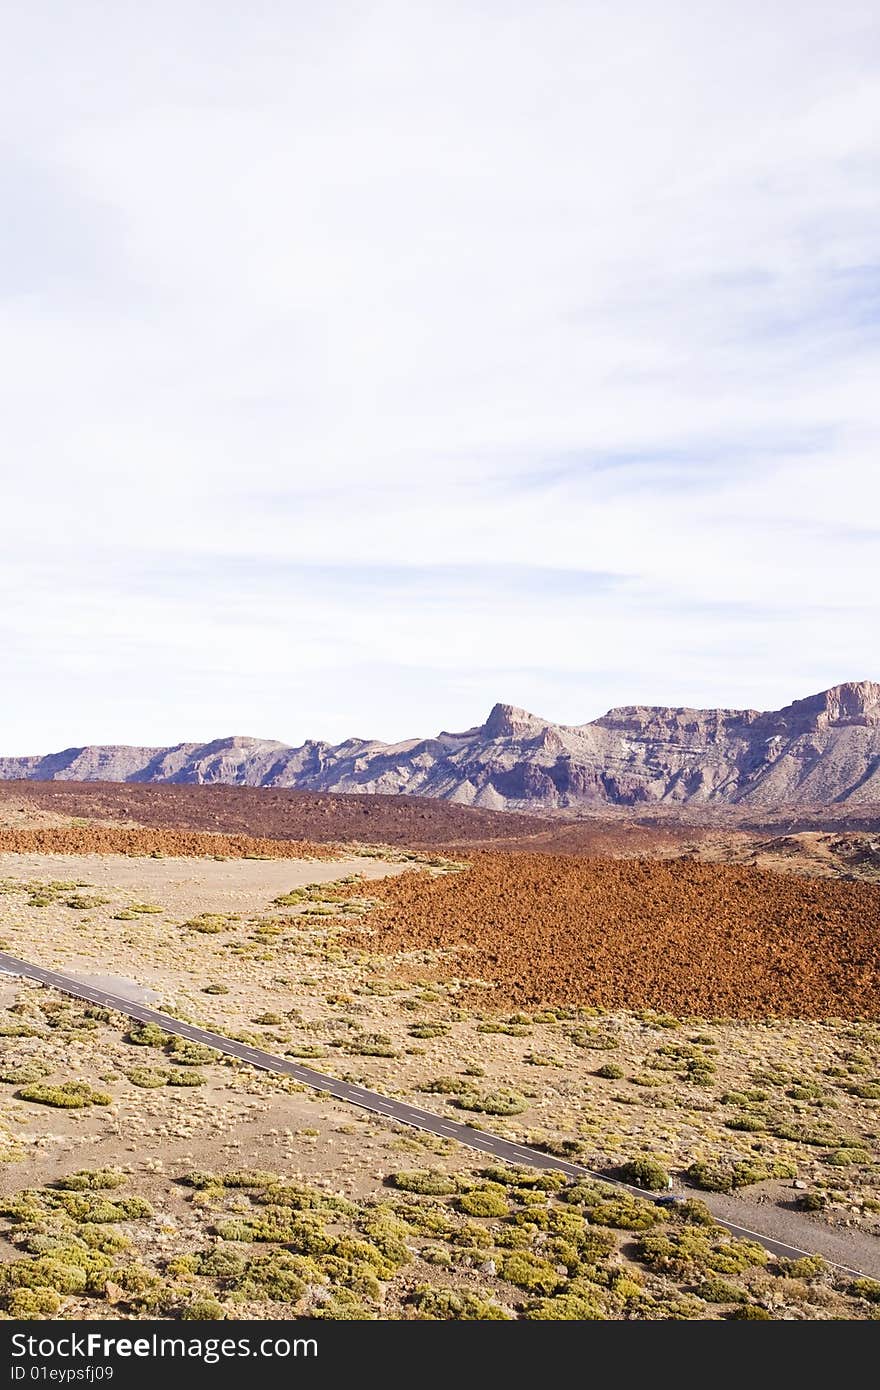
[714,1023]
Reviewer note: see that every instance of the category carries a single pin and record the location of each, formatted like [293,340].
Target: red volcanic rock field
[679,936]
[173,844]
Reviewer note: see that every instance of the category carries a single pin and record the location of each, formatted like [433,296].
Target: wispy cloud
[360,369]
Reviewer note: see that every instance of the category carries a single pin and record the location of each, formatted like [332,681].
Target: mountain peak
[509,721]
[817,751]
[853,702]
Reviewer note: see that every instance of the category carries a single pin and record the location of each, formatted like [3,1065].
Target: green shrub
[845,1158]
[428,1182]
[716,1290]
[531,1273]
[494,1103]
[147,1035]
[176,1077]
[807,1267]
[208,923]
[147,1077]
[610,1071]
[750,1312]
[485,1201]
[187,1053]
[569,1306]
[429,1030]
[203,1310]
[812,1201]
[24,1073]
[444,1086]
[626,1214]
[91,1180]
[592,1039]
[693,1212]
[866,1288]
[435,1304]
[45,1272]
[689,1251]
[69,1095]
[513,1030]
[32,1303]
[865,1090]
[216,989]
[723,1176]
[644,1172]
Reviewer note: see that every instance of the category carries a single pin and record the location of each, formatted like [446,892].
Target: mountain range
[821,750]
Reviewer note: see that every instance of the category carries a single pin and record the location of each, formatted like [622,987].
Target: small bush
[531,1273]
[179,1077]
[610,1071]
[727,1177]
[494,1103]
[208,923]
[427,1183]
[626,1214]
[216,989]
[147,1035]
[446,1304]
[203,1310]
[24,1073]
[32,1303]
[865,1090]
[69,1095]
[807,1267]
[429,1030]
[370,1045]
[486,1201]
[868,1289]
[187,1053]
[644,1172]
[568,1306]
[91,1180]
[149,1078]
[812,1201]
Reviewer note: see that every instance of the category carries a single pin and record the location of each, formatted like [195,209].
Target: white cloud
[569,287]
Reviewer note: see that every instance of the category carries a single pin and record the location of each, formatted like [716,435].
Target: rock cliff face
[821,750]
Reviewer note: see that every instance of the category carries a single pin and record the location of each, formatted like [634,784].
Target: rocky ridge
[818,751]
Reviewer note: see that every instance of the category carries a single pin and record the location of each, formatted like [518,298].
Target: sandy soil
[412,1022]
[192,886]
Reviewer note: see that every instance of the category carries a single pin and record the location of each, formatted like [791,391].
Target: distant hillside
[819,751]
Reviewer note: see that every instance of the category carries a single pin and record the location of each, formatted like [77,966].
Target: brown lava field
[683,937]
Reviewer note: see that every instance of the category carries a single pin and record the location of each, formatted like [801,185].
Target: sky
[364,364]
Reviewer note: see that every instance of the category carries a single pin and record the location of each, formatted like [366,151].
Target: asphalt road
[401,1111]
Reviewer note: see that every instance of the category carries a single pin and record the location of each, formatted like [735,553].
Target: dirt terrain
[781,1109]
[688,938]
[179,844]
[270,813]
[618,1002]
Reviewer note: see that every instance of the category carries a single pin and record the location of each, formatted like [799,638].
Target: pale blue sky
[362,365]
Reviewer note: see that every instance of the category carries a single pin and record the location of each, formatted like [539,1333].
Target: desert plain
[680,1007]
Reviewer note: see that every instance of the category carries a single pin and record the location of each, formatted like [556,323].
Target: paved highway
[492,1144]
